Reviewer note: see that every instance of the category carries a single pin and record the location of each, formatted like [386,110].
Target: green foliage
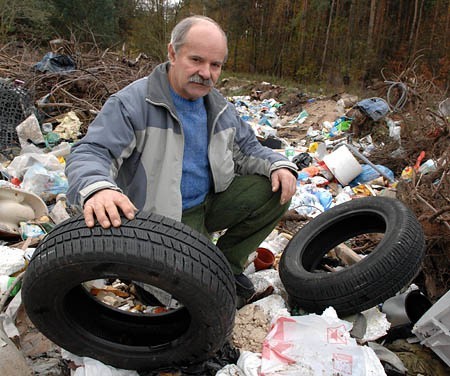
[148,32]
[283,38]
[90,20]
[306,73]
[24,19]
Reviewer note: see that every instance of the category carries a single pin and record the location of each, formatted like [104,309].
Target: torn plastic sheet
[52,62]
[316,345]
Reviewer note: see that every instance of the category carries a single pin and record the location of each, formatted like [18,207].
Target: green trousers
[248,210]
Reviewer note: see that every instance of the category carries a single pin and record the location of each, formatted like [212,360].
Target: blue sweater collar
[182,104]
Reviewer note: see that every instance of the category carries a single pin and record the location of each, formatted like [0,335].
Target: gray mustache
[198,80]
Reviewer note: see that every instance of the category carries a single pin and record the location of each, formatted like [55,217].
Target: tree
[150,29]
[327,38]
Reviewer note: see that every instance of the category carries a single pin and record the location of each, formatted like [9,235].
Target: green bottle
[5,284]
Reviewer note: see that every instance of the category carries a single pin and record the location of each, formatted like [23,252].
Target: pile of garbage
[344,147]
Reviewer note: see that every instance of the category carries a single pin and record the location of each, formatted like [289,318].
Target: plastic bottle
[427,166]
[5,282]
[289,152]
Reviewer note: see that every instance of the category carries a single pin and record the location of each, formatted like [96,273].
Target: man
[171,144]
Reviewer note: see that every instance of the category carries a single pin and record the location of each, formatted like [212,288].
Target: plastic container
[343,165]
[6,282]
[433,328]
[427,167]
[264,259]
[406,308]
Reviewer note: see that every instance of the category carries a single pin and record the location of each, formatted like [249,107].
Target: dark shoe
[244,287]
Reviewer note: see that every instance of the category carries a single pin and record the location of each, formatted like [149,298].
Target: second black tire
[389,267]
[151,249]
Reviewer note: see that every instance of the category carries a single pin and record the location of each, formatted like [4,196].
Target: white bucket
[343,165]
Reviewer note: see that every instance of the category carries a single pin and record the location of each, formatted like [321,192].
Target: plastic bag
[88,366]
[325,198]
[20,165]
[46,184]
[230,370]
[249,363]
[304,202]
[369,173]
[316,345]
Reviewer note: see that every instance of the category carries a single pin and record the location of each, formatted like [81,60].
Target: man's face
[197,65]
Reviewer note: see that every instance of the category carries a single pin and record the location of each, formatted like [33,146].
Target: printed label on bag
[337,335]
[343,363]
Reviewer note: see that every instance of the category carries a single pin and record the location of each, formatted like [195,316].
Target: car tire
[389,267]
[152,249]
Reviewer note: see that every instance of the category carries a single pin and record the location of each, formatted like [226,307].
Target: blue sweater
[196,175]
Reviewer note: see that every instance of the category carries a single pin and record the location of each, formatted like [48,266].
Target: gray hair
[179,32]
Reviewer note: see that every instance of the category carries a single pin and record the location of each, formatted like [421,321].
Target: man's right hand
[105,205]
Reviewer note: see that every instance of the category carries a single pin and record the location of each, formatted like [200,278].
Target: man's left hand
[285,179]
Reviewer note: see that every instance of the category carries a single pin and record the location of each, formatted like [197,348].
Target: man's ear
[171,52]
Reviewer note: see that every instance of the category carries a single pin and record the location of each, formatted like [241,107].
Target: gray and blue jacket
[135,145]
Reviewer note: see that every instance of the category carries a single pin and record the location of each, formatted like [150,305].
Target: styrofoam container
[343,165]
[433,328]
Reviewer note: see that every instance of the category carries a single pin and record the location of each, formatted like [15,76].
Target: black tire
[152,249]
[391,265]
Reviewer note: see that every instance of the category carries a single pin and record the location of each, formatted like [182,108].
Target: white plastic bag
[91,367]
[316,345]
[230,370]
[45,183]
[20,164]
[249,362]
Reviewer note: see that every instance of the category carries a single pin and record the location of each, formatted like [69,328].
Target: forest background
[331,42]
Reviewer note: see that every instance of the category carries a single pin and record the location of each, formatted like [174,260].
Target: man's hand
[285,179]
[105,205]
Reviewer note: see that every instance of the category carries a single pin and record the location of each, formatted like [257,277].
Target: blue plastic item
[325,198]
[375,108]
[369,173]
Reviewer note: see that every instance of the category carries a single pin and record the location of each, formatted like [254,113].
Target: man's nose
[204,71]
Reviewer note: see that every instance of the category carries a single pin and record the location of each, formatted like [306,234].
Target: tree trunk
[349,44]
[303,29]
[413,28]
[373,6]
[418,28]
[433,25]
[370,31]
[379,27]
[326,39]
